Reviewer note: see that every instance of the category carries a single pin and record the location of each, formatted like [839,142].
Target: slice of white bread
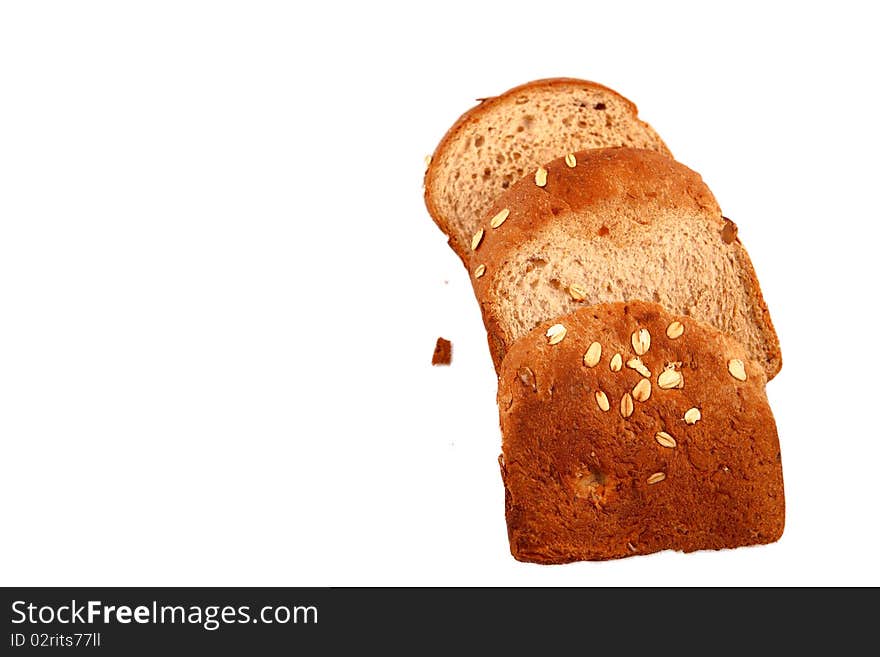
[611,225]
[497,142]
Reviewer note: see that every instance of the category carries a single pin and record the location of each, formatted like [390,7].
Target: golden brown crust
[586,484]
[609,193]
[604,183]
[474,115]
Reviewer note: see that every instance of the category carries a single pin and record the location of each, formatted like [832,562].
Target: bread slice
[496,143]
[620,225]
[686,458]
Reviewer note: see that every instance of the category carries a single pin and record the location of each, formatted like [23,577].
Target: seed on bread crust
[594,353]
[571,160]
[602,400]
[656,478]
[476,239]
[670,378]
[479,271]
[556,333]
[674,330]
[641,341]
[541,177]
[527,377]
[665,439]
[616,363]
[692,415]
[626,405]
[577,292]
[427,162]
[637,365]
[500,218]
[737,369]
[642,390]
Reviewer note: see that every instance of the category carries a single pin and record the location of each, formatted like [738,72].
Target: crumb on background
[442,352]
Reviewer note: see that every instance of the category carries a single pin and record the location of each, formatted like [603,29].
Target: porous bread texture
[622,224]
[496,143]
[583,483]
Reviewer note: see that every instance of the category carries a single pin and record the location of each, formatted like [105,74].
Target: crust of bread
[577,478]
[611,194]
[475,115]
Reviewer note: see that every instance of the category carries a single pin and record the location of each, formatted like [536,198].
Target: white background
[220,290]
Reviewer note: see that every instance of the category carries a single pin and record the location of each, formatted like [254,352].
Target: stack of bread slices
[626,324]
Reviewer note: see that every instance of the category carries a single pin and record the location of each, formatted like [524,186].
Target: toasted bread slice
[679,452]
[610,225]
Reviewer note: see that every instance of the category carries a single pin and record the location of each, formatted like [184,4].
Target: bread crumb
[442,352]
[728,232]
